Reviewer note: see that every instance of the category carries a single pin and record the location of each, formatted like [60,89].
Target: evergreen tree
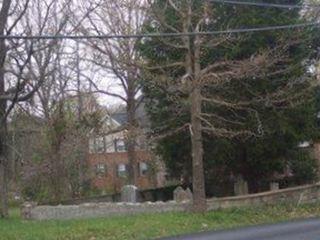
[282,123]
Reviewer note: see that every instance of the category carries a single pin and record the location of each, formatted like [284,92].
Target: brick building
[108,158]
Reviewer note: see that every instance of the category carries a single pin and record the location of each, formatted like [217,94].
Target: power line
[166,35]
[268,5]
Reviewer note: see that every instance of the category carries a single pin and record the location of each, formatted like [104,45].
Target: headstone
[189,194]
[26,208]
[129,193]
[240,186]
[181,195]
[274,186]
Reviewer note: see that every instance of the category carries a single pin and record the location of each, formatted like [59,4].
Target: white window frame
[143,168]
[120,147]
[122,170]
[101,169]
[99,145]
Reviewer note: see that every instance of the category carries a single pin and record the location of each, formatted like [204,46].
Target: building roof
[120,117]
[116,118]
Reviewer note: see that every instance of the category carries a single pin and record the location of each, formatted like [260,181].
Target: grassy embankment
[149,226]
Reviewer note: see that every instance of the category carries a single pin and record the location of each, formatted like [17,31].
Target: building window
[120,145]
[122,170]
[91,146]
[110,145]
[143,168]
[99,145]
[101,169]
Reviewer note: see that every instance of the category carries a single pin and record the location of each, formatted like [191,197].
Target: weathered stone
[181,195]
[26,208]
[189,194]
[129,193]
[274,186]
[102,210]
[240,187]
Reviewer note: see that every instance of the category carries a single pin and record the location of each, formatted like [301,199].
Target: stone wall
[316,154]
[93,210]
[297,195]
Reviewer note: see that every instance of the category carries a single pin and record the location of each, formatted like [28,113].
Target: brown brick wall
[110,181]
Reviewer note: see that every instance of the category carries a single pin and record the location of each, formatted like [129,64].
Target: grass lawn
[149,226]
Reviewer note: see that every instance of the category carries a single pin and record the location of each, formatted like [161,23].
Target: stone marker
[189,194]
[26,208]
[129,193]
[181,195]
[240,187]
[274,186]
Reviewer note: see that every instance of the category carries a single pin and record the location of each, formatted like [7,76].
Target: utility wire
[267,5]
[166,35]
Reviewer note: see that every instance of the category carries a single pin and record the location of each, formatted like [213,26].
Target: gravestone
[129,193]
[189,194]
[181,195]
[240,186]
[26,208]
[274,186]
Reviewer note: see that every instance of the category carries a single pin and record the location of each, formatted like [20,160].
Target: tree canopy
[282,106]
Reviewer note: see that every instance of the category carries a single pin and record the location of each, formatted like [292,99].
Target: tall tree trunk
[131,138]
[199,200]
[82,153]
[3,169]
[3,146]
[199,197]
[58,175]
[193,71]
[4,13]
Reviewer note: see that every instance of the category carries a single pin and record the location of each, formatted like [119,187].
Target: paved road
[298,230]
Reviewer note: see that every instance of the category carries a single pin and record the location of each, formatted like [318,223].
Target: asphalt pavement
[296,230]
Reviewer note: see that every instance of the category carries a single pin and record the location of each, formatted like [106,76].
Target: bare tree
[17,84]
[61,69]
[54,104]
[208,85]
[118,57]
[11,95]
